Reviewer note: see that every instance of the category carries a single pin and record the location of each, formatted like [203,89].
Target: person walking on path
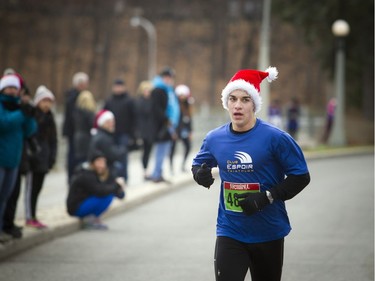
[80,83]
[122,105]
[92,190]
[42,161]
[260,167]
[16,124]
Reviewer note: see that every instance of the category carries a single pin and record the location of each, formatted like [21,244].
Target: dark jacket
[86,183]
[83,123]
[185,127]
[123,108]
[145,120]
[68,123]
[46,136]
[159,102]
[104,142]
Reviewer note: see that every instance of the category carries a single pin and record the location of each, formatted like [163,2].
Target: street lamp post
[151,33]
[340,30]
[264,55]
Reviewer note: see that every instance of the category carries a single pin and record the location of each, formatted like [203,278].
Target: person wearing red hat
[260,167]
[103,140]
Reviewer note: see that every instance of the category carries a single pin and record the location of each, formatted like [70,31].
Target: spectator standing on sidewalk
[42,161]
[275,114]
[330,116]
[184,128]
[166,113]
[30,146]
[92,190]
[16,124]
[122,105]
[80,83]
[293,115]
[103,140]
[83,117]
[260,167]
[144,126]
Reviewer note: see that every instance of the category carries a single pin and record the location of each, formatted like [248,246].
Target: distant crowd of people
[99,140]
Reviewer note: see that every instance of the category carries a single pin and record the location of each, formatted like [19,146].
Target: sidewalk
[52,210]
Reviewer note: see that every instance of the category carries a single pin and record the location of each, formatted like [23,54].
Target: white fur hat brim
[244,86]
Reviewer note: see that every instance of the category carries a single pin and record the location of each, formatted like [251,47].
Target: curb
[64,224]
[137,195]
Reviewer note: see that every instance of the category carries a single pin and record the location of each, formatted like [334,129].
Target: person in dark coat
[43,161]
[92,190]
[144,126]
[80,83]
[103,140]
[166,113]
[122,105]
[83,117]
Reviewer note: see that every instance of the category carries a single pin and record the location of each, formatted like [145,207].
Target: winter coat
[104,142]
[14,128]
[83,123]
[145,120]
[46,136]
[123,108]
[70,101]
[86,183]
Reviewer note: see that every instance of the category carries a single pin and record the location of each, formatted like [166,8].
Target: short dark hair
[118,81]
[167,71]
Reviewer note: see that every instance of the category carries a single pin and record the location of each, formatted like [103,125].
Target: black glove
[27,109]
[203,175]
[252,202]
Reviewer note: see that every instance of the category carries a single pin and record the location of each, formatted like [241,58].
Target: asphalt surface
[172,236]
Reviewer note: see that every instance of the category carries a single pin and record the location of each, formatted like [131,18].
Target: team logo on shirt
[242,163]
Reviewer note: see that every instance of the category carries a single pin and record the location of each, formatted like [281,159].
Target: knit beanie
[43,93]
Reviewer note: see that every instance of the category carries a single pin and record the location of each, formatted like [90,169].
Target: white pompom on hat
[10,80]
[182,90]
[42,92]
[249,81]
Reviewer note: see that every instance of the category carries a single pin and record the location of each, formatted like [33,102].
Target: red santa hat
[101,117]
[10,80]
[249,81]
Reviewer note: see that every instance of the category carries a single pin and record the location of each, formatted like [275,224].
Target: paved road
[172,237]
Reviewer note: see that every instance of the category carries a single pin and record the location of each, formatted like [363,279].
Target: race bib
[231,188]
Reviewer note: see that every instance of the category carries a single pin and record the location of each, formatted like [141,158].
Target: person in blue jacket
[16,124]
[260,167]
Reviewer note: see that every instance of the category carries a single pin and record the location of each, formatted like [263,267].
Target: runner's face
[241,111]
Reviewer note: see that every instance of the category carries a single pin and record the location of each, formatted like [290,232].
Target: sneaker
[35,224]
[94,226]
[15,231]
[161,179]
[4,237]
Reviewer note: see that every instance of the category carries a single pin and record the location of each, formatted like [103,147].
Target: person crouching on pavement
[92,190]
